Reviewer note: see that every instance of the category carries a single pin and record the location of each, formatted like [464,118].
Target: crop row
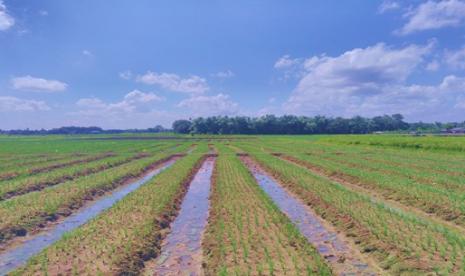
[38,182]
[49,166]
[397,141]
[445,158]
[247,234]
[28,160]
[435,167]
[432,159]
[120,239]
[400,241]
[29,211]
[426,176]
[423,168]
[66,145]
[35,183]
[446,199]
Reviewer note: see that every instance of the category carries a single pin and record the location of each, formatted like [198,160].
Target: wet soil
[70,163]
[357,185]
[181,251]
[336,249]
[9,235]
[52,182]
[18,255]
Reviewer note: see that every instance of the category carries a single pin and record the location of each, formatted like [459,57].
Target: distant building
[455,130]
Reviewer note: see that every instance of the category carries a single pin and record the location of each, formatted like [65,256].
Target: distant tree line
[268,124]
[290,124]
[82,130]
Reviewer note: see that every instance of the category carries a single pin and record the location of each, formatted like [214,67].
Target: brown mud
[10,234]
[355,184]
[181,251]
[339,252]
[52,182]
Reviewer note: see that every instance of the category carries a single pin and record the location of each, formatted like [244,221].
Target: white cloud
[291,67]
[223,74]
[135,110]
[388,5]
[433,66]
[220,104]
[368,81]
[126,75]
[434,15]
[43,12]
[87,53]
[134,101]
[286,62]
[6,20]
[8,104]
[455,59]
[192,84]
[38,84]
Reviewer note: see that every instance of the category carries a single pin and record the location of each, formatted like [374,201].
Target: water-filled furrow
[181,252]
[17,256]
[343,259]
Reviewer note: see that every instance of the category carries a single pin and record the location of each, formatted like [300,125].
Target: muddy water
[329,244]
[181,252]
[18,256]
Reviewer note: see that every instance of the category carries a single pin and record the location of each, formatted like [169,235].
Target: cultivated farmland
[232,205]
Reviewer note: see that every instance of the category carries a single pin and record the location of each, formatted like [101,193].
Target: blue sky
[135,64]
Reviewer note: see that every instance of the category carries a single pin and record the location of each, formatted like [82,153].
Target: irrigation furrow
[181,251]
[445,203]
[376,197]
[70,163]
[17,190]
[339,252]
[17,256]
[247,234]
[122,238]
[22,172]
[55,202]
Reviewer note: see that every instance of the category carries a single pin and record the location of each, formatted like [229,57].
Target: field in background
[398,201]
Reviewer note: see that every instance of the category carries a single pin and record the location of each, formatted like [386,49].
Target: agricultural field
[232,205]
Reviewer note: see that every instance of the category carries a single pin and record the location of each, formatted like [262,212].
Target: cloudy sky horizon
[136,64]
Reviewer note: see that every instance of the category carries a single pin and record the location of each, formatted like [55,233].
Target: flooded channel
[181,252]
[330,245]
[19,255]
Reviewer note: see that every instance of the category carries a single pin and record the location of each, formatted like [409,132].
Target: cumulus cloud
[6,20]
[219,104]
[132,102]
[135,110]
[38,84]
[369,81]
[192,84]
[223,74]
[388,5]
[8,104]
[434,15]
